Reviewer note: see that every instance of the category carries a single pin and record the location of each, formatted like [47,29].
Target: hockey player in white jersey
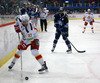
[29,38]
[88,18]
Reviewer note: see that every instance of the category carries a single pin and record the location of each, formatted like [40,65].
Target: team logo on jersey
[30,35]
[88,17]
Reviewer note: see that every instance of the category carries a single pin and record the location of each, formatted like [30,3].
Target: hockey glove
[83,19]
[56,25]
[61,28]
[22,46]
[17,29]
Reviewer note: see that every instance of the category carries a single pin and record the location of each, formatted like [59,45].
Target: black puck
[26,78]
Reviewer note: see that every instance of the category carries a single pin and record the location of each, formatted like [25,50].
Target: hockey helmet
[25,17]
[89,10]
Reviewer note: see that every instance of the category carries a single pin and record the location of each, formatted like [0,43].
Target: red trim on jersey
[35,44]
[85,23]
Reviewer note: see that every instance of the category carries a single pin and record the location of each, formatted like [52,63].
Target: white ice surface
[63,67]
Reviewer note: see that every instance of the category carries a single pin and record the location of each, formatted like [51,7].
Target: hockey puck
[26,78]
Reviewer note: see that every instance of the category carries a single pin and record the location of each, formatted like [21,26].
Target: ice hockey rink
[63,67]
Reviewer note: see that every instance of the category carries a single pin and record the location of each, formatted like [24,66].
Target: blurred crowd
[51,3]
[9,7]
[14,7]
[75,3]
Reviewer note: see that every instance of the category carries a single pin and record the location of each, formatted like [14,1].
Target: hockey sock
[92,30]
[68,44]
[38,56]
[17,56]
[84,28]
[55,42]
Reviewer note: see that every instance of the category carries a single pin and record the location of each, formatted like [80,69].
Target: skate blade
[52,50]
[69,52]
[42,72]
[10,69]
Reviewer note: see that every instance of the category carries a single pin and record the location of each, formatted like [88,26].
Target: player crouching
[88,18]
[29,38]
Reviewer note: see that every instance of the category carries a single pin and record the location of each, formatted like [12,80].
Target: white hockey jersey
[88,17]
[29,33]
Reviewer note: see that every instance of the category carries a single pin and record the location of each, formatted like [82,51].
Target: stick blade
[81,51]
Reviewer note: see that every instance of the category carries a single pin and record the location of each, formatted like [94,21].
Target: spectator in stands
[17,10]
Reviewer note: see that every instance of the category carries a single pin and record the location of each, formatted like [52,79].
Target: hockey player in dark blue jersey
[23,9]
[61,24]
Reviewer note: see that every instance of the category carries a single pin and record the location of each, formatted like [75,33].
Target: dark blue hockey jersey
[60,21]
[23,11]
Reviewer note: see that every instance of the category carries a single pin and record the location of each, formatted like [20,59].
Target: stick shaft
[75,47]
[21,58]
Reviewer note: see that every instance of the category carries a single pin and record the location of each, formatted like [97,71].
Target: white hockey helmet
[45,8]
[89,10]
[25,17]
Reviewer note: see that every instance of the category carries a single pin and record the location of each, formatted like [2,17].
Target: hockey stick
[21,58]
[75,48]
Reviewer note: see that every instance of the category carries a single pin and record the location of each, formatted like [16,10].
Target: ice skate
[53,48]
[11,66]
[43,69]
[69,51]
[83,31]
[92,31]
